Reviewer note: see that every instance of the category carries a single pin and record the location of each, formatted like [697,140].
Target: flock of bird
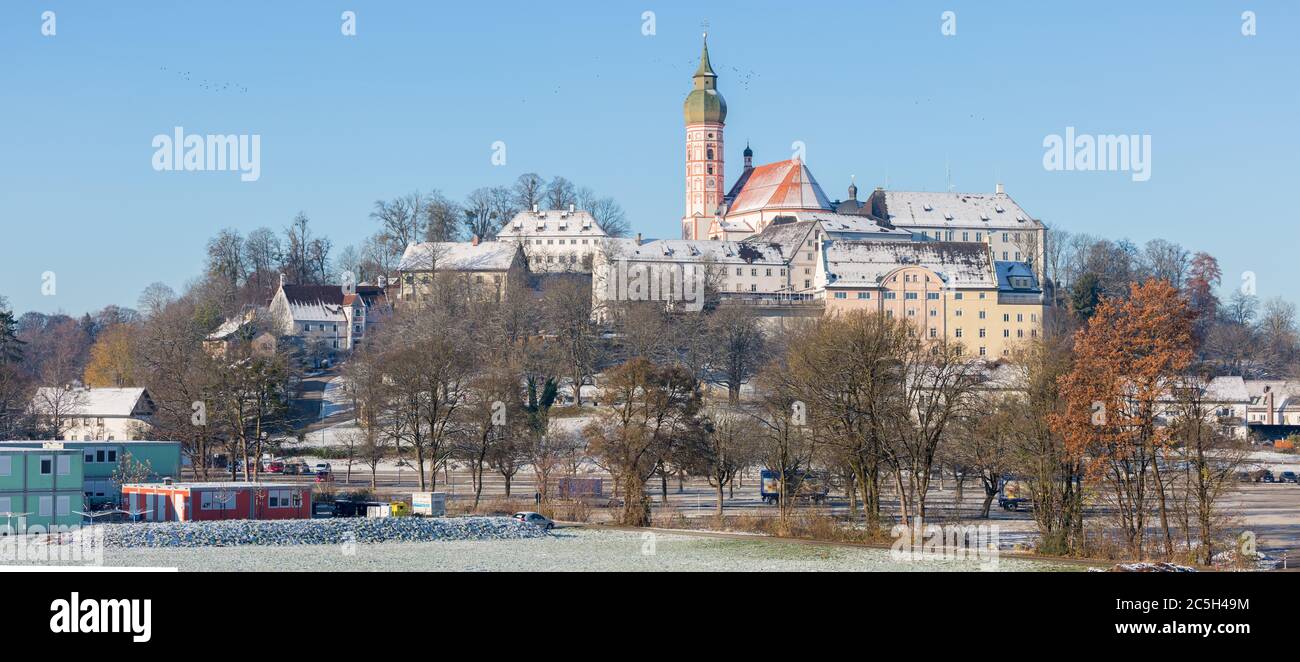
[210,86]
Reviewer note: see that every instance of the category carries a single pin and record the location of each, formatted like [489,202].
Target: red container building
[187,502]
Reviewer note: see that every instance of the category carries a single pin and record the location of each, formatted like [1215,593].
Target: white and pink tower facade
[706,115]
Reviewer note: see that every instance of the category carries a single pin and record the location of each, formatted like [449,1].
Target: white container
[429,504]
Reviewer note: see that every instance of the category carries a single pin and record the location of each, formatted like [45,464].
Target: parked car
[275,467]
[1262,476]
[324,467]
[1289,477]
[536,519]
[292,469]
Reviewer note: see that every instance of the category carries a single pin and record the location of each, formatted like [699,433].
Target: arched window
[710,154]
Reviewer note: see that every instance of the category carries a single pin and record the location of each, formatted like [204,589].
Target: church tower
[706,113]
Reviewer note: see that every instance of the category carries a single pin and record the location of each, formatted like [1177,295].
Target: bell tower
[706,114]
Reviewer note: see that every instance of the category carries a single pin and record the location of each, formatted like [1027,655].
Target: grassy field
[566,550]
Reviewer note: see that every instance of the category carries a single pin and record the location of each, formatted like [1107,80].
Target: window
[46,507]
[957,313]
[6,467]
[6,505]
[47,465]
[982,294]
[90,456]
[753,272]
[99,455]
[957,333]
[864,295]
[933,296]
[965,236]
[1006,317]
[1006,333]
[934,333]
[981,333]
[284,499]
[753,287]
[767,272]
[1020,317]
[842,295]
[983,314]
[910,296]
[957,296]
[740,272]
[807,283]
[64,506]
[63,464]
[979,236]
[983,351]
[890,295]
[112,456]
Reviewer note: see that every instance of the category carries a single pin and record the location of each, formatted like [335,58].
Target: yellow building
[482,269]
[949,290]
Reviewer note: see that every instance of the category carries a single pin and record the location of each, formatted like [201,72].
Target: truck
[806,485]
[1014,495]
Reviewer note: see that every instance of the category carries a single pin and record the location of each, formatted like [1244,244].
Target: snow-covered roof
[551,223]
[315,303]
[780,185]
[958,210]
[1228,389]
[1258,388]
[690,250]
[92,401]
[228,328]
[458,256]
[1007,270]
[841,226]
[787,236]
[215,485]
[866,263]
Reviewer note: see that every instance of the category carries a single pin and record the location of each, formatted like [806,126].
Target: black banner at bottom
[339,611]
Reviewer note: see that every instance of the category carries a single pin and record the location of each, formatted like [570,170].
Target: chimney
[638,239]
[1001,190]
[474,241]
[283,279]
[534,207]
[572,208]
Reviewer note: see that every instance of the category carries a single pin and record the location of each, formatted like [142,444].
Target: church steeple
[706,68]
[706,114]
[704,104]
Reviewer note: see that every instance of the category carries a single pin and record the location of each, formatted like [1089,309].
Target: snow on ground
[334,400]
[563,550]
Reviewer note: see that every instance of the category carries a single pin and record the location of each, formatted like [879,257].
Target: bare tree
[738,348]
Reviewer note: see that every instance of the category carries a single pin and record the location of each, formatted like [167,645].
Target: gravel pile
[335,531]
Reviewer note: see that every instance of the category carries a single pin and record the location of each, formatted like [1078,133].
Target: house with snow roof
[949,290]
[478,268]
[555,240]
[325,319]
[79,413]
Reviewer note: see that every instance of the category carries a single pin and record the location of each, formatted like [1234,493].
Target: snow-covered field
[564,550]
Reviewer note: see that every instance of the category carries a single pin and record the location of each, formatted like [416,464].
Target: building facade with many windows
[949,290]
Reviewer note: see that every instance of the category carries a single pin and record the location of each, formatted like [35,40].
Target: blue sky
[416,99]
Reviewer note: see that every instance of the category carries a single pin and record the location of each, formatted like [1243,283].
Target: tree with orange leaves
[1127,359]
